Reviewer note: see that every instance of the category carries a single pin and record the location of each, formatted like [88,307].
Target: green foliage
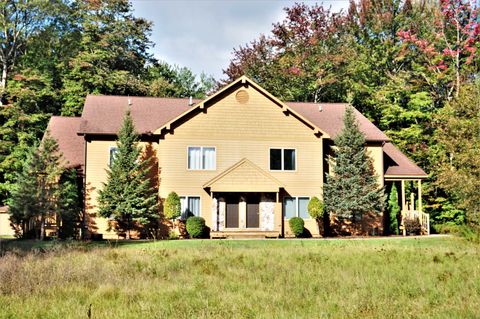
[352,189]
[70,205]
[297,226]
[54,53]
[127,196]
[37,191]
[172,235]
[195,226]
[315,208]
[175,81]
[458,138]
[393,210]
[171,207]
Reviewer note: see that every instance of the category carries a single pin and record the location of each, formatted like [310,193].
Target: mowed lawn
[379,278]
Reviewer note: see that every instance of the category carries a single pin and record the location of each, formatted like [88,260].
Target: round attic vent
[242,96]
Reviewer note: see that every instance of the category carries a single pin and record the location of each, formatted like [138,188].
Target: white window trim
[201,152]
[282,162]
[199,205]
[297,210]
[110,154]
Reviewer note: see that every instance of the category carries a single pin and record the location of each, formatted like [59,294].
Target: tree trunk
[3,82]
[42,228]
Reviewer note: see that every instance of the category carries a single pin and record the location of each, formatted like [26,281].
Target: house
[242,159]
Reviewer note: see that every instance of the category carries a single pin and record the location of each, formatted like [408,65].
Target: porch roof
[399,166]
[244,176]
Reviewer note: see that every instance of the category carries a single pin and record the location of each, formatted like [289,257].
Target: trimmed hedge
[297,226]
[195,226]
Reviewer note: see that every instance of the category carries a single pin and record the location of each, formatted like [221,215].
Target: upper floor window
[113,153]
[201,158]
[283,159]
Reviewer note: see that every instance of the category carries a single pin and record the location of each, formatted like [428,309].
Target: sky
[201,34]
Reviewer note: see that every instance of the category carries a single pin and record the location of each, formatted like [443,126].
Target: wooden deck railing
[423,219]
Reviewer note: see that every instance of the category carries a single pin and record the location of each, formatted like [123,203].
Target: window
[113,152]
[296,207]
[201,158]
[190,206]
[282,159]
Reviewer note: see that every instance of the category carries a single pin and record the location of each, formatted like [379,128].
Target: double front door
[233,211]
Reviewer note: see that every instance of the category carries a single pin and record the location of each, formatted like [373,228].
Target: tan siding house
[241,159]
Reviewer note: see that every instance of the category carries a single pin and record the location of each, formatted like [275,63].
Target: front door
[231,218]
[253,211]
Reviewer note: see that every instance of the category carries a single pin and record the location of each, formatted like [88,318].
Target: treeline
[410,66]
[53,53]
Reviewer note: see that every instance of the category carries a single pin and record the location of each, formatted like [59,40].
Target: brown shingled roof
[397,164]
[330,119]
[103,114]
[64,131]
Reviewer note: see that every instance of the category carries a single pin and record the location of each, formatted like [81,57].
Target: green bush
[447,228]
[297,226]
[171,207]
[315,208]
[195,226]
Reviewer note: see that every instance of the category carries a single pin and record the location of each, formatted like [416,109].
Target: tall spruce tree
[128,196]
[35,196]
[352,189]
[393,210]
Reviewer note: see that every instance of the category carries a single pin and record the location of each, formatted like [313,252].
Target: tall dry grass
[429,278]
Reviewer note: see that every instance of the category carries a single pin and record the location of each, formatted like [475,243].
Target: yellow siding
[5,229]
[98,157]
[376,153]
[240,131]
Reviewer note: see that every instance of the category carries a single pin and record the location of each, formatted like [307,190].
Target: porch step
[244,234]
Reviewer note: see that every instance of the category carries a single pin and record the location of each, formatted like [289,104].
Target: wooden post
[420,195]
[403,208]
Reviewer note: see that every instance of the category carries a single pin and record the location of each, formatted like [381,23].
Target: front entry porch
[245,202]
[245,215]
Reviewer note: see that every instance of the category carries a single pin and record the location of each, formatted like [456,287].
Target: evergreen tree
[393,209]
[172,206]
[352,189]
[35,196]
[69,205]
[128,196]
[22,203]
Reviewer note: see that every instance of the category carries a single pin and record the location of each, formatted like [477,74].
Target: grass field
[379,278]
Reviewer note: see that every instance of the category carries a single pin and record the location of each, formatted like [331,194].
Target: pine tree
[37,190]
[352,189]
[128,196]
[393,209]
[69,205]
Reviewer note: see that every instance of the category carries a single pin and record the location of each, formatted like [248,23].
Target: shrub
[315,208]
[172,235]
[172,208]
[412,226]
[195,226]
[297,226]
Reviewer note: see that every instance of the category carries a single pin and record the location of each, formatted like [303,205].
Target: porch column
[420,195]
[403,208]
